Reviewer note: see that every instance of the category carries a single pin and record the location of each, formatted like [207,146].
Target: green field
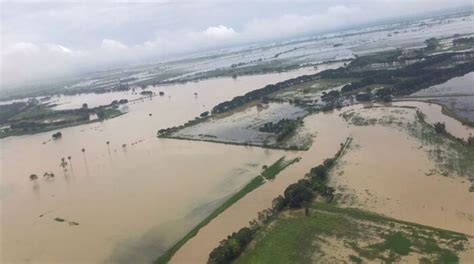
[273,170]
[331,234]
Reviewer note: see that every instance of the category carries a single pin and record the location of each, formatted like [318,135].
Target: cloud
[113,45]
[220,32]
[43,40]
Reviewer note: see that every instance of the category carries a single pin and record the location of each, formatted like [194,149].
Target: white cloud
[59,48]
[220,32]
[22,47]
[95,34]
[112,45]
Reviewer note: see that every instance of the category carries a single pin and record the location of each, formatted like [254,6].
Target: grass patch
[397,243]
[272,171]
[295,237]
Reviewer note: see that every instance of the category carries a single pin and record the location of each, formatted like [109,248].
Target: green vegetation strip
[272,171]
[256,182]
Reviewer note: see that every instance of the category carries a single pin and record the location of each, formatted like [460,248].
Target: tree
[431,44]
[319,172]
[470,141]
[33,177]
[328,163]
[296,194]
[101,115]
[63,163]
[440,128]
[245,235]
[57,135]
[235,247]
[279,203]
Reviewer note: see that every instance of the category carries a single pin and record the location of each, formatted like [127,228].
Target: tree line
[296,195]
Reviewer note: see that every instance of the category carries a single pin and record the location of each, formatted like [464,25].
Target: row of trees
[464,41]
[261,93]
[408,79]
[282,128]
[295,195]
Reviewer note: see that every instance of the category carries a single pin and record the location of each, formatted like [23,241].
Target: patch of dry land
[402,194]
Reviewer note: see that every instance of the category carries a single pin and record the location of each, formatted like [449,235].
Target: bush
[231,247]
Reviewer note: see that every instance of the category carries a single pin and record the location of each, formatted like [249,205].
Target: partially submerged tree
[33,177]
[440,128]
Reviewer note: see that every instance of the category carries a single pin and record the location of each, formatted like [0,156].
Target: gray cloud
[42,40]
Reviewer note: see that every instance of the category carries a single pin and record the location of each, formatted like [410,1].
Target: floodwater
[243,126]
[433,114]
[400,173]
[391,173]
[329,135]
[130,200]
[457,94]
[239,86]
[462,85]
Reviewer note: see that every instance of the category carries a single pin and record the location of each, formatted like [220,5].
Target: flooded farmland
[456,94]
[193,132]
[243,127]
[122,201]
[94,200]
[363,175]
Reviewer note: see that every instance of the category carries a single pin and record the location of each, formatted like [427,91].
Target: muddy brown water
[130,202]
[384,171]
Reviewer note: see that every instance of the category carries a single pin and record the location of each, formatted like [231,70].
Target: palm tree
[84,154]
[63,164]
[70,162]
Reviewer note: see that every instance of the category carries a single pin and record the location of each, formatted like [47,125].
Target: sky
[51,39]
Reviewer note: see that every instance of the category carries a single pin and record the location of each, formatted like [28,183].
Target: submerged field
[457,95]
[141,197]
[419,189]
[406,182]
